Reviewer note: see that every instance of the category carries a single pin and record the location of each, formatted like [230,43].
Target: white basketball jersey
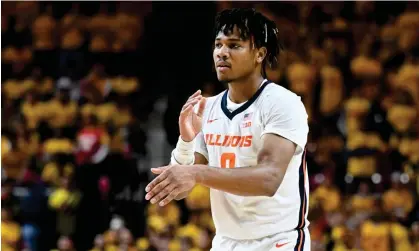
[231,138]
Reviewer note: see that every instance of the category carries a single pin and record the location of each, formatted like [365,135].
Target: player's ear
[261,54]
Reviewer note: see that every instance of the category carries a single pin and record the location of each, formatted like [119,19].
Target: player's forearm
[259,180]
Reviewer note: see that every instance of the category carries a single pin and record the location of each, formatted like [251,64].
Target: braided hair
[254,26]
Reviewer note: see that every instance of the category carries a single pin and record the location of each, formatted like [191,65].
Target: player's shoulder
[277,94]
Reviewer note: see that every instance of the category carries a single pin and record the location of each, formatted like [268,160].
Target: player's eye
[218,45]
[235,46]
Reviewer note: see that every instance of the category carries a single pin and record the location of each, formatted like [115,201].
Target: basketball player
[246,144]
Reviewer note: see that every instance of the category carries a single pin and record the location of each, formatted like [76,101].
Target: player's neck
[240,91]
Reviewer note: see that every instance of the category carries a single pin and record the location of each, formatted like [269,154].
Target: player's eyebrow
[229,39]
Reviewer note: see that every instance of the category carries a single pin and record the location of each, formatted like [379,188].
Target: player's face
[233,57]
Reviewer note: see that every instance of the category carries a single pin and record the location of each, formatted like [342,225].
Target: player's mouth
[223,66]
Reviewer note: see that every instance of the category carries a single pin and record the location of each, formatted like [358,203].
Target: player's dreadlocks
[254,26]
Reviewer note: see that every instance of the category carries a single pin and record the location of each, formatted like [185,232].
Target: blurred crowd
[79,81]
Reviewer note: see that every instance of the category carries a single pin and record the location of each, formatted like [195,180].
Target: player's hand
[170,182]
[190,123]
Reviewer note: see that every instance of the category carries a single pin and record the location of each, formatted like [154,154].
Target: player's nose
[223,53]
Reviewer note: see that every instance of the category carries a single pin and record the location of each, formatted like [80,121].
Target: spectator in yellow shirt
[28,141]
[398,199]
[328,196]
[414,235]
[103,111]
[400,237]
[55,170]
[123,115]
[15,162]
[5,145]
[10,231]
[123,86]
[32,110]
[375,235]
[363,201]
[42,86]
[170,213]
[65,200]
[15,89]
[61,111]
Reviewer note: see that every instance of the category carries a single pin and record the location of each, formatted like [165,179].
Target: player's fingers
[163,193]
[169,198]
[159,170]
[198,92]
[198,95]
[201,107]
[156,181]
[157,189]
[193,101]
[184,114]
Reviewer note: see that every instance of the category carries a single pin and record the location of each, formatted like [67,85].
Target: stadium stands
[77,89]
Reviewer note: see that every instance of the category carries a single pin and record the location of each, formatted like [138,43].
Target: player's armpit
[199,160]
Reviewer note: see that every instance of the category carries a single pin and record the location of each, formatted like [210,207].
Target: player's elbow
[272,189]
[272,181]
[271,192]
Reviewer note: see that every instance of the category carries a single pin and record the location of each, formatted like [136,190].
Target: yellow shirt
[59,114]
[394,199]
[29,146]
[72,39]
[10,232]
[329,198]
[104,112]
[124,86]
[33,114]
[122,118]
[14,163]
[375,236]
[362,203]
[45,86]
[170,212]
[51,173]
[142,244]
[42,32]
[5,145]
[58,145]
[190,231]
[61,197]
[15,89]
[401,237]
[363,166]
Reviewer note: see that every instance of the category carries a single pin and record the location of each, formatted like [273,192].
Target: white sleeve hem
[289,136]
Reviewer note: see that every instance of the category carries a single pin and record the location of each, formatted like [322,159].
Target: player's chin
[223,77]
